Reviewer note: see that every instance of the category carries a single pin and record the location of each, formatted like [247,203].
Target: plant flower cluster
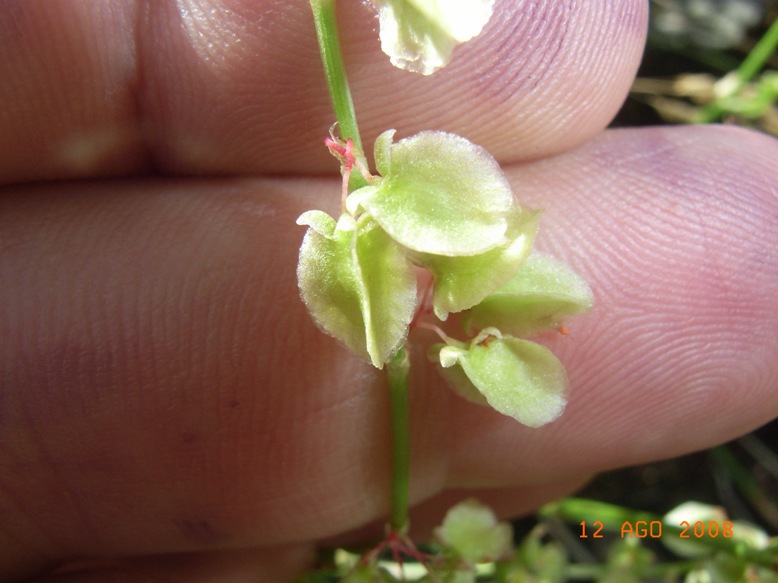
[442,203]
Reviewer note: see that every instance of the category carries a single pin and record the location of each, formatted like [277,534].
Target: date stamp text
[656,529]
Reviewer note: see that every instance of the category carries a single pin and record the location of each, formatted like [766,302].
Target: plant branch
[335,73]
[397,370]
[398,367]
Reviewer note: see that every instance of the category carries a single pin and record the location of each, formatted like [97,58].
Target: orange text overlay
[655,529]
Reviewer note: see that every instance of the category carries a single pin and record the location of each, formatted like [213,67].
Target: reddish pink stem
[345,153]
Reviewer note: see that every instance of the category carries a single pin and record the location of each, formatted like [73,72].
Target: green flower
[447,201]
[518,378]
[442,203]
[474,533]
[463,282]
[438,193]
[357,284]
[420,35]
[541,294]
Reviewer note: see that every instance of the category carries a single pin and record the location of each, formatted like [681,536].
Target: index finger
[235,86]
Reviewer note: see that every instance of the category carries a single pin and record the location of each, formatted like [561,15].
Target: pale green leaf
[455,376]
[518,378]
[473,531]
[382,152]
[357,284]
[462,282]
[543,293]
[442,195]
[390,284]
[420,35]
[322,223]
[329,281]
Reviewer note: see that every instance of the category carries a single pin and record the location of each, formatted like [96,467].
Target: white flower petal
[420,35]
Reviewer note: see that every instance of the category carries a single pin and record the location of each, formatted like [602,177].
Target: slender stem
[398,369]
[737,79]
[335,73]
[759,55]
[596,572]
[340,95]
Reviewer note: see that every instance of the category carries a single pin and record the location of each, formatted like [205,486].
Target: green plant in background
[711,548]
[437,202]
[743,92]
[732,93]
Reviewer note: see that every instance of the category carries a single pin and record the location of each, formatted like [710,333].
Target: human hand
[167,407]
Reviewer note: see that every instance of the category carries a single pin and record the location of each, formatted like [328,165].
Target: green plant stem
[614,517]
[398,369]
[596,572]
[747,70]
[335,73]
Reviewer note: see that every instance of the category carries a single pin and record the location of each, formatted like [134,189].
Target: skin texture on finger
[68,98]
[94,252]
[165,391]
[280,564]
[235,86]
[275,565]
[507,503]
[686,298]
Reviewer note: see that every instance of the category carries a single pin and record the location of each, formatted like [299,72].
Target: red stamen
[344,153]
[337,150]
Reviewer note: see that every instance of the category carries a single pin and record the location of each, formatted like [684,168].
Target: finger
[163,375]
[277,565]
[96,89]
[507,503]
[674,229]
[281,564]
[115,257]
[67,102]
